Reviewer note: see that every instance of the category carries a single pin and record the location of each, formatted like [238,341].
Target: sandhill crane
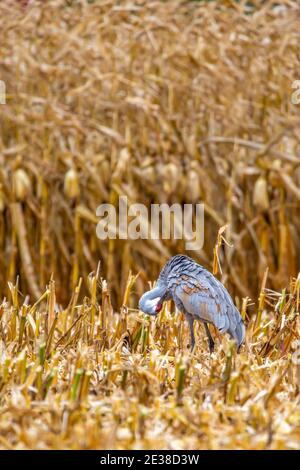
[198,294]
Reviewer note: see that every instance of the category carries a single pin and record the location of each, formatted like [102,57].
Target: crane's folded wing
[206,299]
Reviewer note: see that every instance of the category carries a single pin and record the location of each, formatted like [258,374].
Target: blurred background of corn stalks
[162,102]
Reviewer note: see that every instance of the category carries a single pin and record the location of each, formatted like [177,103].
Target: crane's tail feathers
[238,332]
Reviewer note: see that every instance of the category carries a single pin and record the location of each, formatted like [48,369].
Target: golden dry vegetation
[163,102]
[85,377]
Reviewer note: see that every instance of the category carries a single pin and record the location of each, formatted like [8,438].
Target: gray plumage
[198,294]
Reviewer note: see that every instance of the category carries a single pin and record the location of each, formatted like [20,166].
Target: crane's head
[151,302]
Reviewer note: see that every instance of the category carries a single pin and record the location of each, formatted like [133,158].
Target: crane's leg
[190,320]
[211,343]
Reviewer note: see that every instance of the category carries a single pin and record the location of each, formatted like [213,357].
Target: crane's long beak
[150,302]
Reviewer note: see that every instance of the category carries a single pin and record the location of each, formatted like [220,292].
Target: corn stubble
[162,102]
[85,377]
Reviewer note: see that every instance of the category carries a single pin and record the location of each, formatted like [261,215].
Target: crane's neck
[151,302]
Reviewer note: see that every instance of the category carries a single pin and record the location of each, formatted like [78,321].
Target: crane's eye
[158,307]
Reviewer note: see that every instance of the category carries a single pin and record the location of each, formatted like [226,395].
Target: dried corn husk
[71,184]
[21,184]
[260,194]
[170,175]
[193,188]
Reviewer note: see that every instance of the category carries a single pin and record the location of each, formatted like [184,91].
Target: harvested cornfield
[88,378]
[162,102]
